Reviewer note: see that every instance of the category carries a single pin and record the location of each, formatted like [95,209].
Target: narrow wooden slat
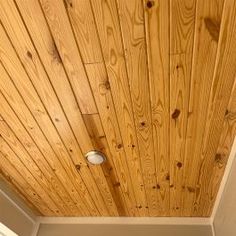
[227,138]
[43,41]
[44,175]
[62,33]
[23,84]
[98,80]
[97,135]
[25,116]
[157,39]
[223,81]
[13,158]
[107,23]
[13,176]
[9,115]
[82,21]
[182,19]
[38,76]
[132,28]
[180,75]
[37,109]
[208,18]
[49,56]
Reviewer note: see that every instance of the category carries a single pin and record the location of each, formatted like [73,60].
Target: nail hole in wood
[77,167]
[218,157]
[117,184]
[168,177]
[191,189]
[226,112]
[107,85]
[150,4]
[179,164]
[29,54]
[176,114]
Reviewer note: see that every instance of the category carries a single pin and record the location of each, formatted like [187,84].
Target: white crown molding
[126,220]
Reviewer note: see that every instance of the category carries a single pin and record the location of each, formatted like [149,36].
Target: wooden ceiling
[149,83]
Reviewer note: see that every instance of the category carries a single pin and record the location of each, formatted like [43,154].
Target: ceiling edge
[126,220]
[224,180]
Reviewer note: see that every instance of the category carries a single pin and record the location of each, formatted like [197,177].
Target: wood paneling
[151,84]
[157,40]
[182,15]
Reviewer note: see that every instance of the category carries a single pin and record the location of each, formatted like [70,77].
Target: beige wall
[14,214]
[225,219]
[123,230]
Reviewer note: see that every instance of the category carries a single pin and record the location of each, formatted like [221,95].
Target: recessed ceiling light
[95,157]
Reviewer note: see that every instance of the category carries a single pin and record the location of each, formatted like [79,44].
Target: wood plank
[30,131]
[180,75]
[98,80]
[157,40]
[44,88]
[43,41]
[97,135]
[75,9]
[53,65]
[31,126]
[81,18]
[37,109]
[223,81]
[67,49]
[107,23]
[15,161]
[223,150]
[208,18]
[38,168]
[182,19]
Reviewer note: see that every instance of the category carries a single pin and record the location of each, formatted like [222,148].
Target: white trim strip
[126,220]
[224,180]
[36,229]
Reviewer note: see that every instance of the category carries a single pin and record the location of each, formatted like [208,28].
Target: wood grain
[62,87]
[98,79]
[223,82]
[68,53]
[107,23]
[97,135]
[149,83]
[223,150]
[33,129]
[208,18]
[82,21]
[157,39]
[44,176]
[182,21]
[180,76]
